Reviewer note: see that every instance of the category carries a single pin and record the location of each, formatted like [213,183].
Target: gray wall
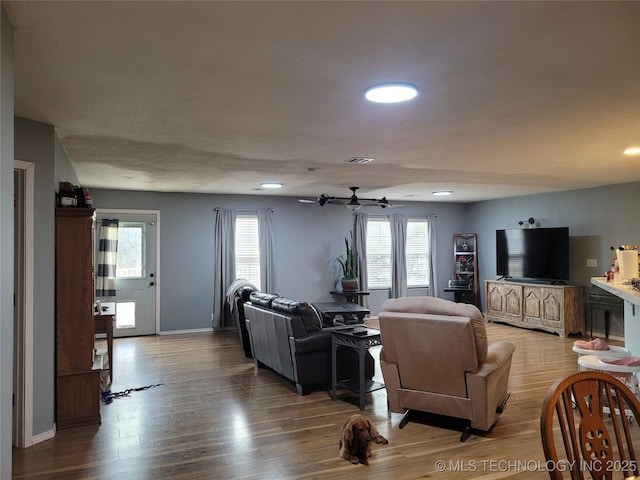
[35,142]
[596,217]
[308,238]
[6,242]
[39,144]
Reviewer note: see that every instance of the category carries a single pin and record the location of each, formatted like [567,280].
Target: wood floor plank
[216,416]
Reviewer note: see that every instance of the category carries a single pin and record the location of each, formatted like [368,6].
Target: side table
[351,313]
[352,297]
[350,336]
[462,295]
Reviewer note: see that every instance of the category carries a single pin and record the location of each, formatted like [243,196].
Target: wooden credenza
[77,384]
[553,308]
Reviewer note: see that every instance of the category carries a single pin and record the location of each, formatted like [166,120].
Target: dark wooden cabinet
[77,384]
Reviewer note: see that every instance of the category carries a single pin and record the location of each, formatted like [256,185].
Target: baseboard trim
[41,437]
[182,332]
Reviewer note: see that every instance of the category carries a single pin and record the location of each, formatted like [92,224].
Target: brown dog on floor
[355,440]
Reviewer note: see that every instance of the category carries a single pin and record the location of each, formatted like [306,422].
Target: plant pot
[349,284]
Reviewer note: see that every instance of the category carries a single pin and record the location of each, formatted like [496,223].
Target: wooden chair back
[596,416]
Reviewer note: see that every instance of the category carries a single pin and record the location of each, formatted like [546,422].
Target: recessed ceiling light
[391,92]
[271,185]
[632,151]
[442,193]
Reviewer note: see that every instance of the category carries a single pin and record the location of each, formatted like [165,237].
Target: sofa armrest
[391,383]
[319,340]
[498,354]
[488,386]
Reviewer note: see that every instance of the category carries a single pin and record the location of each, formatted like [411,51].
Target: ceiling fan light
[632,151]
[271,185]
[442,193]
[353,206]
[391,92]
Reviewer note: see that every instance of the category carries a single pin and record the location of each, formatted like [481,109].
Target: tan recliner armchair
[435,358]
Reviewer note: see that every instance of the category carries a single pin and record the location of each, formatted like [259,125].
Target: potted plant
[349,264]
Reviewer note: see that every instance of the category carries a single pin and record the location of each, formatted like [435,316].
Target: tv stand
[535,281]
[557,309]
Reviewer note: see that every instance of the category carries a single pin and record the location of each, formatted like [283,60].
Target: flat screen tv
[533,253]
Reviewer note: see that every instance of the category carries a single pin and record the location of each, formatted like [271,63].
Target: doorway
[136,300]
[22,424]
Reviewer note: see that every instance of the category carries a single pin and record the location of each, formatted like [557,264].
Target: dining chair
[588,425]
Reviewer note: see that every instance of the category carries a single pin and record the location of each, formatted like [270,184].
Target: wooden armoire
[77,384]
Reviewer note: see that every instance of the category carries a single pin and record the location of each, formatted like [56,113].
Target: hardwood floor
[217,417]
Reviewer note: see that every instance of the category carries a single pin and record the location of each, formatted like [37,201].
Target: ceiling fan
[352,202]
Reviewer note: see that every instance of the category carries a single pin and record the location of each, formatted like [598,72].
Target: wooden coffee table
[351,313]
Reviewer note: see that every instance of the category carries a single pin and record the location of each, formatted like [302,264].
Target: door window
[131,251]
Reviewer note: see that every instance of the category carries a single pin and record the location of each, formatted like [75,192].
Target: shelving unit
[465,268]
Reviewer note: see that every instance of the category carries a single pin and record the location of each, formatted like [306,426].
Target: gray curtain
[360,229]
[433,267]
[107,258]
[398,257]
[224,233]
[267,250]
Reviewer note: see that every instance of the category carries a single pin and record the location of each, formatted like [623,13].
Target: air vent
[360,160]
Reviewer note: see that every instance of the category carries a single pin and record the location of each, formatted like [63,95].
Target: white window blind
[379,253]
[417,253]
[248,249]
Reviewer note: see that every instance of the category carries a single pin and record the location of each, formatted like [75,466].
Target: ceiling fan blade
[384,203]
[322,200]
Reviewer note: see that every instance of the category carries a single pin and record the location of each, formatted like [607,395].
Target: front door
[136,272]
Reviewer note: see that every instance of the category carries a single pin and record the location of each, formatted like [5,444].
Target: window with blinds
[417,253]
[379,253]
[248,249]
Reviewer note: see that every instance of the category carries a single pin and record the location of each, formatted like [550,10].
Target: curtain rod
[243,209]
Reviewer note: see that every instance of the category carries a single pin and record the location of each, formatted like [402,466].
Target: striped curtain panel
[107,255]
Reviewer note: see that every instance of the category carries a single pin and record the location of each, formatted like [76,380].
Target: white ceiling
[515,97]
